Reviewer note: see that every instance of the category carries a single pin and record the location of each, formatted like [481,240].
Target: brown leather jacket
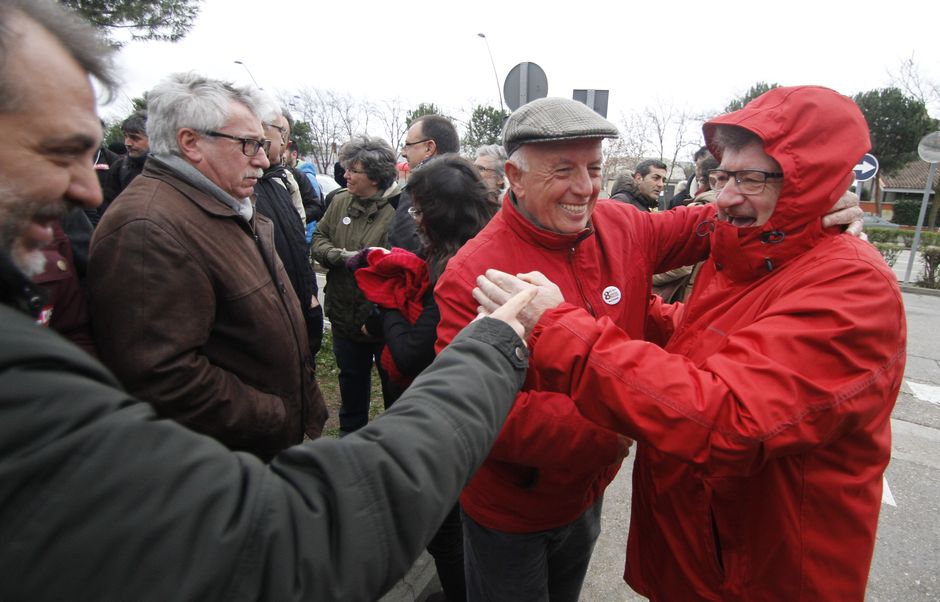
[193,311]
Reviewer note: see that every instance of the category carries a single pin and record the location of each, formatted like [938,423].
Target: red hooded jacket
[549,464]
[763,427]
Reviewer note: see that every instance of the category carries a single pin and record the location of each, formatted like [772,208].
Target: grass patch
[328,379]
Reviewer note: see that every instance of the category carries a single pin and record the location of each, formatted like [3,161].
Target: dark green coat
[350,224]
[100,500]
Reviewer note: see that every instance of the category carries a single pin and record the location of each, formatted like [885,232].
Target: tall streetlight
[249,74]
[499,89]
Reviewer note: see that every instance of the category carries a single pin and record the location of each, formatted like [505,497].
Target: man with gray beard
[191,306]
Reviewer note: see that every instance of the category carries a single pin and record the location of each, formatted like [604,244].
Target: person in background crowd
[358,217]
[191,306]
[491,163]
[427,137]
[156,511]
[129,165]
[642,189]
[450,205]
[676,285]
[771,403]
[272,196]
[692,184]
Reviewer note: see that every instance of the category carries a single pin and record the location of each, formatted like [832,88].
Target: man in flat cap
[532,511]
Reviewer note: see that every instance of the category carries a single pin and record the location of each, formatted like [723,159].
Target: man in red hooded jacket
[763,427]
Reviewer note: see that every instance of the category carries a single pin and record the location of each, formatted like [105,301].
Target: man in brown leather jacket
[191,306]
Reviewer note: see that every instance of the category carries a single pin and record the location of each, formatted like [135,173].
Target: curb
[918,290]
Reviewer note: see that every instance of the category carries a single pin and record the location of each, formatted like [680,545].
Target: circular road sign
[866,168]
[525,82]
[929,148]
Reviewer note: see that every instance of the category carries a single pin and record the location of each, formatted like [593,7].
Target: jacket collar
[368,205]
[175,170]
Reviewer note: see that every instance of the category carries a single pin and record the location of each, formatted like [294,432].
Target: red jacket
[763,427]
[549,464]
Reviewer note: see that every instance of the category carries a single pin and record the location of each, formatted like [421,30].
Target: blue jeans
[355,360]
[529,567]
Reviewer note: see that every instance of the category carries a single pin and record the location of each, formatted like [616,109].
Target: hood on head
[816,135]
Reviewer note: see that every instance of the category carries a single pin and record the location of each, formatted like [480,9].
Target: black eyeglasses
[250,146]
[407,144]
[282,130]
[484,170]
[749,181]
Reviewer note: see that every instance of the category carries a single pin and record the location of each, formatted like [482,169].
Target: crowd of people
[162,428]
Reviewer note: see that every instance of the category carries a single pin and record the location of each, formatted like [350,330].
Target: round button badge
[611,295]
[346,221]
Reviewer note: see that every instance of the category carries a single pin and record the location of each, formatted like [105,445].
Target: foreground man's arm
[99,500]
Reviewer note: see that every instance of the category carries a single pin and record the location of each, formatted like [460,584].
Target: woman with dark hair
[357,218]
[451,205]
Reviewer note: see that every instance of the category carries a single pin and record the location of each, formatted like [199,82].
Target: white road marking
[928,393]
[886,497]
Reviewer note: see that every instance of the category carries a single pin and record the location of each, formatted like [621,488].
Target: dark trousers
[529,567]
[446,547]
[355,360]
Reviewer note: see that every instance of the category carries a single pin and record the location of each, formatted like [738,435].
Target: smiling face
[559,187]
[746,210]
[50,137]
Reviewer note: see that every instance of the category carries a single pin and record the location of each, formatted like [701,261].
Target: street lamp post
[249,74]
[499,88]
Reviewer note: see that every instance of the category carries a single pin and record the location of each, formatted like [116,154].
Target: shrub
[906,212]
[890,251]
[876,235]
[931,275]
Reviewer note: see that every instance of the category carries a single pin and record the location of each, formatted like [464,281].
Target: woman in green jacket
[357,218]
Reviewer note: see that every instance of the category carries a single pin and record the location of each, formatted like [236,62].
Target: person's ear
[188,141]
[514,175]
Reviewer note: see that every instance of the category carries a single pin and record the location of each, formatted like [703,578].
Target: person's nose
[84,189]
[582,184]
[729,196]
[260,160]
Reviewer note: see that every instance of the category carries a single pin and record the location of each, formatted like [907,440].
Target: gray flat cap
[550,119]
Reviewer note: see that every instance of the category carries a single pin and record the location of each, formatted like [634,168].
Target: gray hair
[497,152]
[376,157]
[733,137]
[189,100]
[518,158]
[78,38]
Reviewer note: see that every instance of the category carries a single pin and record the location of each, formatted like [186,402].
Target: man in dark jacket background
[428,137]
[129,165]
[155,511]
[642,189]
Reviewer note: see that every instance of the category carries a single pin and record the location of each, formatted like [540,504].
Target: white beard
[31,262]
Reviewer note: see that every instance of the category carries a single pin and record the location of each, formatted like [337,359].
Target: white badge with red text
[612,295]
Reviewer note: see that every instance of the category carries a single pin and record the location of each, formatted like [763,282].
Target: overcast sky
[691,55]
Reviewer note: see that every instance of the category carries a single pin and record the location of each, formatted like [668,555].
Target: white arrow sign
[866,168]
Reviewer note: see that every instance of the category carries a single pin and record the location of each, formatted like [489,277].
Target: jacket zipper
[577,281]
